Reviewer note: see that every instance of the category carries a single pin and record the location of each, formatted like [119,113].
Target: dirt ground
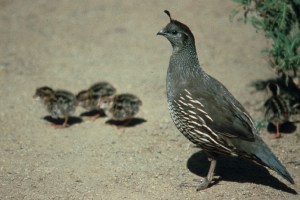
[71,44]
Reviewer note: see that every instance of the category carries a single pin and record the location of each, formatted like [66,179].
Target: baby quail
[277,109]
[59,103]
[88,99]
[122,107]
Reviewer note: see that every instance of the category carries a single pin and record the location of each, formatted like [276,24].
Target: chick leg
[93,118]
[64,125]
[278,134]
[125,123]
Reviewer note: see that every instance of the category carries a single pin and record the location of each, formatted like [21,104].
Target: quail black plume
[277,109]
[205,112]
[59,103]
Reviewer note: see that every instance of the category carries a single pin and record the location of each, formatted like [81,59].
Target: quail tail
[269,159]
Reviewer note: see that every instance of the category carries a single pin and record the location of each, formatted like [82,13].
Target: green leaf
[297,2]
[239,1]
[233,13]
[257,23]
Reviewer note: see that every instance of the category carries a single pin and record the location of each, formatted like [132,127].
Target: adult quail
[277,109]
[59,103]
[88,99]
[205,112]
[121,107]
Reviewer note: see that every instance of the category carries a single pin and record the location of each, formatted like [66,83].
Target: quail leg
[207,180]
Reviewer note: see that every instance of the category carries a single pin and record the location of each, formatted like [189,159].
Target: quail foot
[205,112]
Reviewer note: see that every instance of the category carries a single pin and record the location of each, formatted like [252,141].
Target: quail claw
[199,184]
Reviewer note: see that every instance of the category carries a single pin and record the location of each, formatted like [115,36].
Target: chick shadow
[284,128]
[133,122]
[235,170]
[72,120]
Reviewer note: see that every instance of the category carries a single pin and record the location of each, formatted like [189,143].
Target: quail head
[121,107]
[88,99]
[205,112]
[59,103]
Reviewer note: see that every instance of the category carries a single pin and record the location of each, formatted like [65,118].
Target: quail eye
[174,32]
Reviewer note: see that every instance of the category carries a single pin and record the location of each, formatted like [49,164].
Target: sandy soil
[70,45]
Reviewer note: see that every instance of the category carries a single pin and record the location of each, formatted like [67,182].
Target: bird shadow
[236,170]
[72,120]
[133,122]
[92,113]
[286,128]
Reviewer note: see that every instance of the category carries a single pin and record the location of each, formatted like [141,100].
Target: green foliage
[279,20]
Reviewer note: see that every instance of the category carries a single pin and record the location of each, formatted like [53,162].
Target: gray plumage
[206,112]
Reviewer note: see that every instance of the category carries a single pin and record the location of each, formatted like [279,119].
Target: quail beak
[161,32]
